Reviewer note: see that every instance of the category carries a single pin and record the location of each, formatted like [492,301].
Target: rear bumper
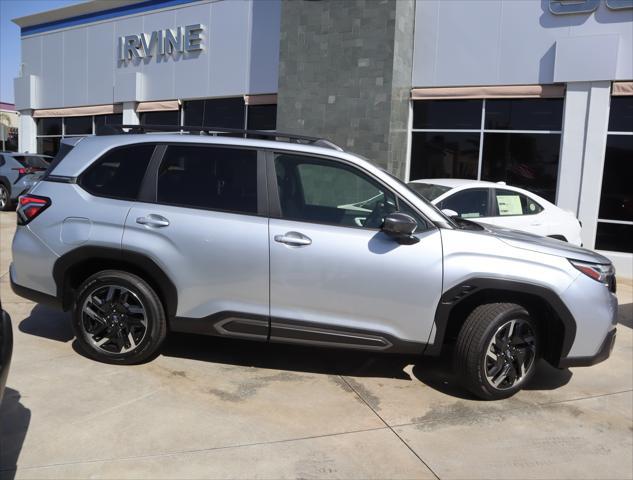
[34,295]
[603,353]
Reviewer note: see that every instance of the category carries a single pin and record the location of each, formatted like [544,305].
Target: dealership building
[536,93]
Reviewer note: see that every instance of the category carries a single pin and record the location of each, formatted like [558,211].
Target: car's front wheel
[118,318]
[497,349]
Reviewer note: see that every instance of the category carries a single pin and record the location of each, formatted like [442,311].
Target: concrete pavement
[215,408]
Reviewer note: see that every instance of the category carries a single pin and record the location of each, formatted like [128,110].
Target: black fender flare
[464,290]
[142,263]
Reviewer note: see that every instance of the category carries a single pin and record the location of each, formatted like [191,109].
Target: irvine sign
[161,42]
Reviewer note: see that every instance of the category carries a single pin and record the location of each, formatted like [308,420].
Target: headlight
[598,271]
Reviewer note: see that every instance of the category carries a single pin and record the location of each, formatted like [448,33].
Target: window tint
[218,112]
[262,117]
[616,201]
[322,191]
[621,114]
[614,237]
[49,126]
[524,114]
[454,114]
[214,178]
[78,125]
[508,202]
[471,203]
[48,145]
[118,174]
[522,160]
[444,154]
[112,119]
[170,118]
[32,161]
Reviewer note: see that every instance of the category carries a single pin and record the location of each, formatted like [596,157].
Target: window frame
[600,220]
[275,203]
[482,130]
[148,193]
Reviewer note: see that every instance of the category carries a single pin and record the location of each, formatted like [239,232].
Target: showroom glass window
[615,218]
[50,131]
[512,140]
[230,113]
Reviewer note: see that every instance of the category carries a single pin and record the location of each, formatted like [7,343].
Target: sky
[10,37]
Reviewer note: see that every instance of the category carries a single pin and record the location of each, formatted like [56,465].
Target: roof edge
[78,9]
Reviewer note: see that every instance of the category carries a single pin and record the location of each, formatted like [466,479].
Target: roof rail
[215,131]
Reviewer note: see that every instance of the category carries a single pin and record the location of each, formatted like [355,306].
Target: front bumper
[603,353]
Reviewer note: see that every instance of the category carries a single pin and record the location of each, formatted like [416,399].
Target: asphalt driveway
[215,408]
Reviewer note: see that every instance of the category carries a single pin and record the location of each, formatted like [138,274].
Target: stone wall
[345,74]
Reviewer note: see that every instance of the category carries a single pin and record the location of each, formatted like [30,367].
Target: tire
[5,198]
[488,365]
[118,318]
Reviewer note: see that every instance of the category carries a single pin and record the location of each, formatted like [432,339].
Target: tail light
[30,206]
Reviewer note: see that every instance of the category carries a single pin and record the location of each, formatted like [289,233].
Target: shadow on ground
[435,372]
[48,323]
[14,423]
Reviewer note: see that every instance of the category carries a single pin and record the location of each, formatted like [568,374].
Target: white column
[593,160]
[130,116]
[28,130]
[572,146]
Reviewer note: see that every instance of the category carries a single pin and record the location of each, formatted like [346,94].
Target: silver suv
[293,240]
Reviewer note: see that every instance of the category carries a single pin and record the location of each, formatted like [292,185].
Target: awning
[622,88]
[168,105]
[78,111]
[500,91]
[268,99]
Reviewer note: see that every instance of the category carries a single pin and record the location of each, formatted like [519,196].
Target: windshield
[448,220]
[428,190]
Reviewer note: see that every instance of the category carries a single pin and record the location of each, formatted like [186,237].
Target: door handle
[294,239]
[153,220]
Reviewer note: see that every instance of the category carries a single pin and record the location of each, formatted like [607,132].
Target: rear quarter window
[119,172]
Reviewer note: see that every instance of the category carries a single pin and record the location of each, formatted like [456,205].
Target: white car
[499,204]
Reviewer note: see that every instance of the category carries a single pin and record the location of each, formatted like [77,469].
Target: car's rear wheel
[497,349]
[5,198]
[118,318]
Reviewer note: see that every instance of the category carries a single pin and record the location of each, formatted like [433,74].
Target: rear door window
[471,203]
[508,203]
[119,172]
[209,177]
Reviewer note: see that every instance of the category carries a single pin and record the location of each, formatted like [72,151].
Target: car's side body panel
[356,278]
[218,261]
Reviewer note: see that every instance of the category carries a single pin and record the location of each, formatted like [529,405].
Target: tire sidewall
[6,206]
[515,313]
[153,309]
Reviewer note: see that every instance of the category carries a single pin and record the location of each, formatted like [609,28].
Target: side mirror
[400,227]
[450,213]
